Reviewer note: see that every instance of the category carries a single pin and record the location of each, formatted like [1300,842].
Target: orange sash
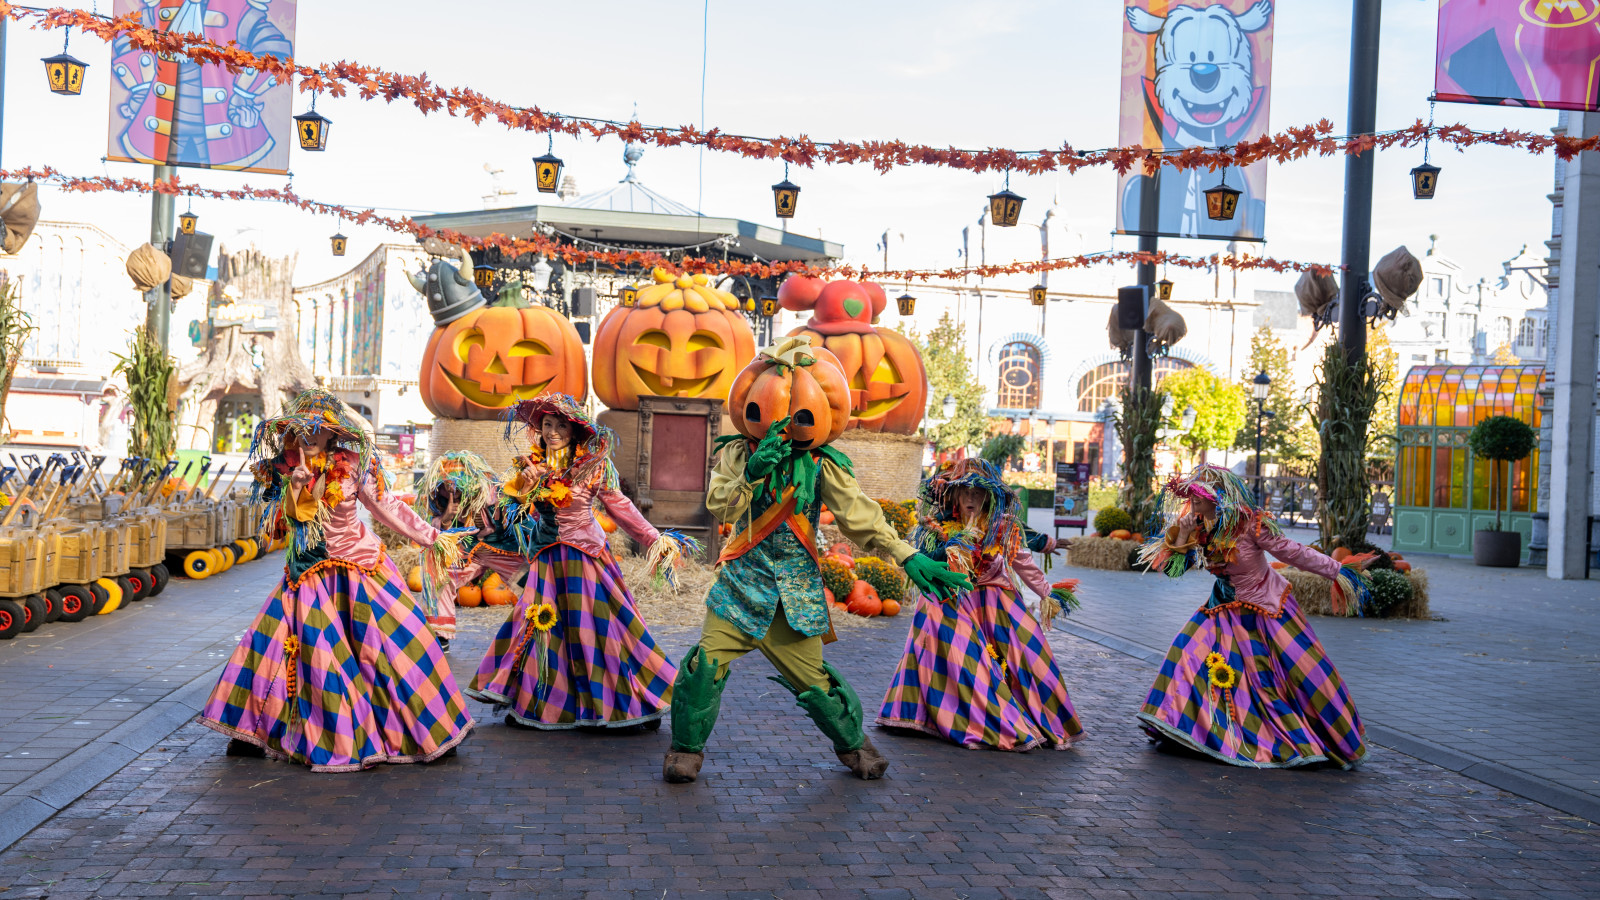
[762,528]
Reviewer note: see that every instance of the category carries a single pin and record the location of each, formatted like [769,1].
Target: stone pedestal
[487,439]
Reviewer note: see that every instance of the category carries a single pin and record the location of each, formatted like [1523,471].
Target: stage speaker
[191,255]
[1132,302]
[582,302]
[583,327]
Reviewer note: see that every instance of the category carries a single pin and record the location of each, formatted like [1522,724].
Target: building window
[1525,332]
[1441,356]
[1466,327]
[1105,381]
[1502,331]
[1544,335]
[1433,327]
[1020,371]
[1419,357]
[1438,287]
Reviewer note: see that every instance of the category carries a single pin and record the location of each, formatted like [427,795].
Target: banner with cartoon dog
[1540,53]
[1195,74]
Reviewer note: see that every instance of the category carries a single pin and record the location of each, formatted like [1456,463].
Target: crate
[24,563]
[76,549]
[147,540]
[225,514]
[190,528]
[115,540]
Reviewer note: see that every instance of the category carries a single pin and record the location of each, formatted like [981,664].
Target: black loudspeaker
[582,302]
[191,255]
[583,327]
[1132,303]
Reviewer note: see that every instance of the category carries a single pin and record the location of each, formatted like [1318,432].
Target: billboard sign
[1538,53]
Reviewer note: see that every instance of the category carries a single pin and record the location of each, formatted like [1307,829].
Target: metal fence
[1293,501]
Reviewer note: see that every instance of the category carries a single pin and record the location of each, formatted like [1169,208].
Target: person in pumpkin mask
[1246,681]
[978,670]
[460,491]
[770,481]
[574,652]
[339,670]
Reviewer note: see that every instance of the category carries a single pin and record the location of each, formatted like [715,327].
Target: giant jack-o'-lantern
[888,382]
[796,380]
[682,338]
[479,365]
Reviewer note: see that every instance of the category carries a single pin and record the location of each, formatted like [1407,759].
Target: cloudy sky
[1010,73]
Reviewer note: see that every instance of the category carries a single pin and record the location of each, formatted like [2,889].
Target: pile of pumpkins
[490,590]
[1340,554]
[1123,534]
[863,599]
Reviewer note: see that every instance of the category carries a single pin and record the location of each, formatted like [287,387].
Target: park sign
[255,318]
[1194,75]
[1538,53]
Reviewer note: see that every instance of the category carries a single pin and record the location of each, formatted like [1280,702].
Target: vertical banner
[1541,53]
[178,113]
[1195,75]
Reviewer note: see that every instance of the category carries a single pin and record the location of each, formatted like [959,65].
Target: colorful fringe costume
[574,652]
[464,479]
[978,671]
[1246,681]
[339,670]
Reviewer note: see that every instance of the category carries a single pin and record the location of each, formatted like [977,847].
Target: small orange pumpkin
[1121,534]
[1279,565]
[793,380]
[607,524]
[1340,554]
[827,597]
[498,597]
[891,608]
[469,595]
[492,581]
[1402,566]
[414,578]
[864,600]
[826,517]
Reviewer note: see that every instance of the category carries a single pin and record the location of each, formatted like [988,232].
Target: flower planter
[1500,549]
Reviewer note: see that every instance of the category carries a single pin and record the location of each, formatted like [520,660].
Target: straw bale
[487,439]
[1315,594]
[1100,553]
[887,465]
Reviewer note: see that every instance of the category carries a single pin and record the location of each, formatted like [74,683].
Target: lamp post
[1258,389]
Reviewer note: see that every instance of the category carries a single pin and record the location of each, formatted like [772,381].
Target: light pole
[1258,389]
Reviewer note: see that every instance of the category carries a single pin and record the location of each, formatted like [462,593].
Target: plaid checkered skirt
[601,668]
[980,673]
[1289,707]
[366,683]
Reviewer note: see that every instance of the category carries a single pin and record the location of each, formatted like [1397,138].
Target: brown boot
[682,768]
[865,761]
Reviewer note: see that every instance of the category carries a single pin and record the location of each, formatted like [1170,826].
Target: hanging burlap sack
[148,267]
[1121,340]
[181,286]
[1164,324]
[19,210]
[1397,276]
[1316,292]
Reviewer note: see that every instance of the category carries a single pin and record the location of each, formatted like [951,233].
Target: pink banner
[179,113]
[1542,53]
[1195,75]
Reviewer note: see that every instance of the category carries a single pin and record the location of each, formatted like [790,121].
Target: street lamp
[1258,389]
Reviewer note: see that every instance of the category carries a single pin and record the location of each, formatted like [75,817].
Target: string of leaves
[15,326]
[1137,425]
[151,376]
[1347,393]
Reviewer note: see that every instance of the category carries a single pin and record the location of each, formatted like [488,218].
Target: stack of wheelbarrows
[76,543]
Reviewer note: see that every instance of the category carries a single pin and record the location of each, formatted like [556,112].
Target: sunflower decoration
[542,617]
[1224,676]
[1214,659]
[1005,671]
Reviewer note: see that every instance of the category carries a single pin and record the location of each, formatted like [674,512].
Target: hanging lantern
[1424,180]
[65,73]
[1222,201]
[629,295]
[547,169]
[1005,207]
[312,127]
[1164,290]
[769,306]
[750,304]
[785,195]
[186,223]
[338,241]
[906,303]
[1037,294]
[483,276]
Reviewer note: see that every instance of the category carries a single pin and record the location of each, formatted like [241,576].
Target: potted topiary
[1499,439]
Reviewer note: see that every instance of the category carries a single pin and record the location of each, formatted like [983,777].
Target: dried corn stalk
[149,373]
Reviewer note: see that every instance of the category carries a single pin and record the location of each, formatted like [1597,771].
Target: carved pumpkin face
[666,347]
[888,382]
[780,382]
[484,362]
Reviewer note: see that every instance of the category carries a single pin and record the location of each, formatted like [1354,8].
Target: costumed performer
[339,670]
[460,491]
[770,481]
[574,651]
[977,669]
[1246,681]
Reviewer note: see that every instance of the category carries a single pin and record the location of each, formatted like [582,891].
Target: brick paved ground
[1506,676]
[520,813]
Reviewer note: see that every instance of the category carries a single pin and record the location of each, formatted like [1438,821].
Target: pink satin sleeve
[628,517]
[396,515]
[1298,555]
[1030,573]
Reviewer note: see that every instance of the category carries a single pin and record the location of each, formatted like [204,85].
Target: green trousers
[796,657]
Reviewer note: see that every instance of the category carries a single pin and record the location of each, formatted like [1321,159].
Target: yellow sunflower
[1214,659]
[1224,676]
[291,645]
[993,654]
[542,617]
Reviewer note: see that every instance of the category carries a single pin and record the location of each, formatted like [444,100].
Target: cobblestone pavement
[1505,674]
[521,813]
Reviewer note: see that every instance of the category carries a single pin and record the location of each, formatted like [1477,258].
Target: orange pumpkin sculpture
[888,381]
[478,366]
[796,380]
[684,338]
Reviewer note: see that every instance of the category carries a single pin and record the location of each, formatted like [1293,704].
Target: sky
[995,73]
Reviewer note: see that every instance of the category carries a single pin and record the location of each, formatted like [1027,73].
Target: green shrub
[884,577]
[1112,519]
[1103,493]
[837,577]
[1390,591]
[898,516]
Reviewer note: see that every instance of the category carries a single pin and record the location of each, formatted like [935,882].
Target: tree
[1385,363]
[1289,435]
[944,354]
[1219,408]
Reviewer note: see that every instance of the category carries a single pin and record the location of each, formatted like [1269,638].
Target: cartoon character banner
[179,113]
[1195,74]
[1543,53]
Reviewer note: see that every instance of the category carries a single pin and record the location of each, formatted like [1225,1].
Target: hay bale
[1106,553]
[1315,594]
[487,439]
[886,465]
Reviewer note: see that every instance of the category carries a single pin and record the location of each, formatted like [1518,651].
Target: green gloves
[772,451]
[935,577]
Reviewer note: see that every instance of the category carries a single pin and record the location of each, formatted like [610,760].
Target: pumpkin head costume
[769,482]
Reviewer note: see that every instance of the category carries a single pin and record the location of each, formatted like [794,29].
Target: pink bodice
[994,573]
[349,538]
[1255,582]
[578,527]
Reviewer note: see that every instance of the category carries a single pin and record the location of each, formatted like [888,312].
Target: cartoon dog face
[1204,65]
